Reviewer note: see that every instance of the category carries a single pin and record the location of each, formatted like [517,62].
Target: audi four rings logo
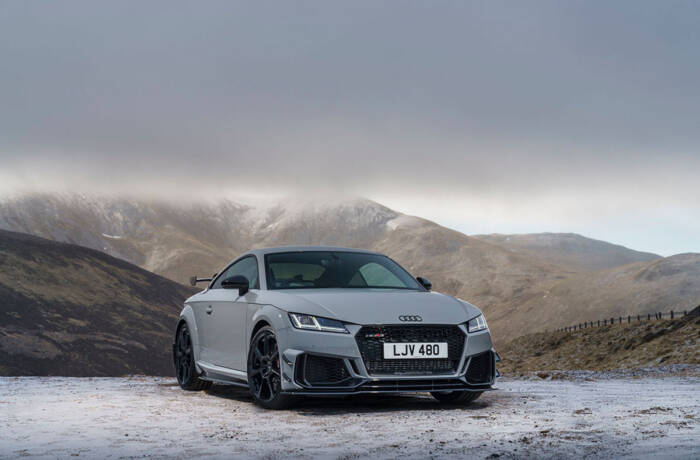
[412,318]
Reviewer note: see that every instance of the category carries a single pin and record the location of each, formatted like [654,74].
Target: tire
[264,373]
[457,397]
[183,358]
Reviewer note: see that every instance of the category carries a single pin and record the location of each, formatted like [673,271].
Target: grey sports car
[303,321]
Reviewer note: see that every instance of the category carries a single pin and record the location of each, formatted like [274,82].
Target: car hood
[374,306]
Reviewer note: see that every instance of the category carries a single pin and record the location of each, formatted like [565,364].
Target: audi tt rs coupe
[309,321]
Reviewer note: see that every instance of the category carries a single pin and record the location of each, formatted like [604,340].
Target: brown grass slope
[671,283]
[495,279]
[70,310]
[570,250]
[639,344]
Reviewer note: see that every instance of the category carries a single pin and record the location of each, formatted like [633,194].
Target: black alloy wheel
[183,357]
[264,374]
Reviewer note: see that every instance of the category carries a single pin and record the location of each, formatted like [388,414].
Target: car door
[226,316]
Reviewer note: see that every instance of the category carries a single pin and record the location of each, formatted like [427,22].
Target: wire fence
[624,320]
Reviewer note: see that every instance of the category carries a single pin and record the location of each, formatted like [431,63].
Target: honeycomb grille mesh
[371,340]
[323,370]
[481,368]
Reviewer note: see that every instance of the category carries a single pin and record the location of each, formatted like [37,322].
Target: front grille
[481,368]
[321,370]
[371,339]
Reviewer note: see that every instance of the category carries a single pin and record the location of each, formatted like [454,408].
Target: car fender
[272,315]
[187,315]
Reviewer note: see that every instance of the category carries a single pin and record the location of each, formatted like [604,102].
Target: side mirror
[239,282]
[425,282]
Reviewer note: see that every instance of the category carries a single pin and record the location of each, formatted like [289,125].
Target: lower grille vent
[320,370]
[481,368]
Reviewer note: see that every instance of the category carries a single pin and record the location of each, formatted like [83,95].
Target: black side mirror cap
[425,282]
[239,282]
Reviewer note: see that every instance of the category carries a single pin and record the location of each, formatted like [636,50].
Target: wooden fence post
[648,316]
[671,314]
[629,319]
[637,317]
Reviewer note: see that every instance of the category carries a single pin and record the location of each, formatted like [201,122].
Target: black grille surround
[314,371]
[481,368]
[370,340]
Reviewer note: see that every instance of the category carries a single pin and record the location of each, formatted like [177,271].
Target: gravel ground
[55,417]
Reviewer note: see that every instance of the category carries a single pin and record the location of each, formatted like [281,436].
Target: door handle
[209,310]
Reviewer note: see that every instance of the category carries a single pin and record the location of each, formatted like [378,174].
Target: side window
[247,267]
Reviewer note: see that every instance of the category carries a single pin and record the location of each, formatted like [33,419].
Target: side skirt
[224,382]
[222,375]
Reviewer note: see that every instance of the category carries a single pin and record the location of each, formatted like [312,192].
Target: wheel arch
[259,325]
[265,315]
[187,317]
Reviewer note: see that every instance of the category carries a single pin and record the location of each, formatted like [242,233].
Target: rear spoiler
[194,280]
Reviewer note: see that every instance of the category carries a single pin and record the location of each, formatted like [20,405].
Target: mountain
[70,310]
[177,240]
[520,290]
[570,250]
[634,345]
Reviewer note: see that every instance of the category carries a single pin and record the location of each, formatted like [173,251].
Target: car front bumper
[339,358]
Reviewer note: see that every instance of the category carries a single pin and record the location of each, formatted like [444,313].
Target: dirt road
[52,417]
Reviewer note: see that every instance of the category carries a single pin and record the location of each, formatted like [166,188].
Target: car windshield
[335,269]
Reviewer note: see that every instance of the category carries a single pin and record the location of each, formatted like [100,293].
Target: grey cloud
[488,100]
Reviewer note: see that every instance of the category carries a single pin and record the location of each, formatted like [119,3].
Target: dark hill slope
[70,310]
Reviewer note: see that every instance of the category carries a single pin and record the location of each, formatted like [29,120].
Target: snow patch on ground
[56,417]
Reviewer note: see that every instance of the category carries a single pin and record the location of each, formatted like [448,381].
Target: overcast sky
[484,116]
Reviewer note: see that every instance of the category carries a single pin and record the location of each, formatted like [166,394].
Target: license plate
[415,350]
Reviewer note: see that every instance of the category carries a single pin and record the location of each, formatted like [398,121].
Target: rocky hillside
[570,250]
[639,344]
[523,287]
[69,310]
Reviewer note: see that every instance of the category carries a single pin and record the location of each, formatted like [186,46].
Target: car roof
[279,249]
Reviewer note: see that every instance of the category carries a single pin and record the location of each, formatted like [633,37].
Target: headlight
[477,324]
[315,323]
